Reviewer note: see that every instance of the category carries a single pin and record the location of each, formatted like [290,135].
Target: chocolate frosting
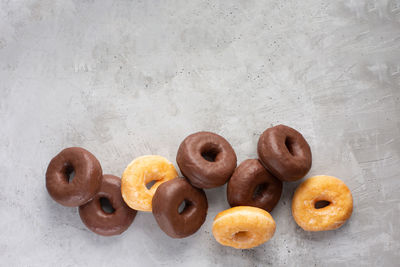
[206,159]
[101,222]
[285,153]
[84,185]
[166,202]
[252,185]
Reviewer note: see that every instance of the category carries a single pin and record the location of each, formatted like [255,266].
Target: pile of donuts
[108,204]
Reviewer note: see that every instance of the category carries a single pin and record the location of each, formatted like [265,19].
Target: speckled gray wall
[127,78]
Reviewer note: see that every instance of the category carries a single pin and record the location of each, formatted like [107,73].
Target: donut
[85,183]
[329,191]
[140,172]
[114,222]
[243,227]
[252,185]
[206,159]
[166,203]
[285,153]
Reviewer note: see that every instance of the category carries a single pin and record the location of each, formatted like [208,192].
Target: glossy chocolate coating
[166,202]
[252,185]
[84,185]
[285,153]
[203,173]
[101,222]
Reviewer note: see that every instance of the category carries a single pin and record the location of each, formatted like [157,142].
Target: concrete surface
[128,78]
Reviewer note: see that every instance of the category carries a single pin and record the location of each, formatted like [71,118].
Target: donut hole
[150,184]
[241,236]
[184,206]
[210,155]
[321,204]
[106,205]
[260,190]
[69,173]
[210,151]
[290,144]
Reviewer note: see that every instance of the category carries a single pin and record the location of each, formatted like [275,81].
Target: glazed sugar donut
[140,172]
[206,159]
[284,152]
[252,185]
[243,227]
[315,191]
[166,202]
[105,223]
[83,186]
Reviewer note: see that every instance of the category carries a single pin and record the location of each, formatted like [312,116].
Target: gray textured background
[127,78]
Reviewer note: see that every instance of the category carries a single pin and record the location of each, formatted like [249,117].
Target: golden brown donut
[140,172]
[319,190]
[243,227]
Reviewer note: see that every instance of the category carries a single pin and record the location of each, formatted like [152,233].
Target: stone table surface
[129,78]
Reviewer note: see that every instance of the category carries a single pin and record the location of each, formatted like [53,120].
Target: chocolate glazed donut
[84,185]
[206,159]
[252,185]
[166,202]
[113,221]
[285,153]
